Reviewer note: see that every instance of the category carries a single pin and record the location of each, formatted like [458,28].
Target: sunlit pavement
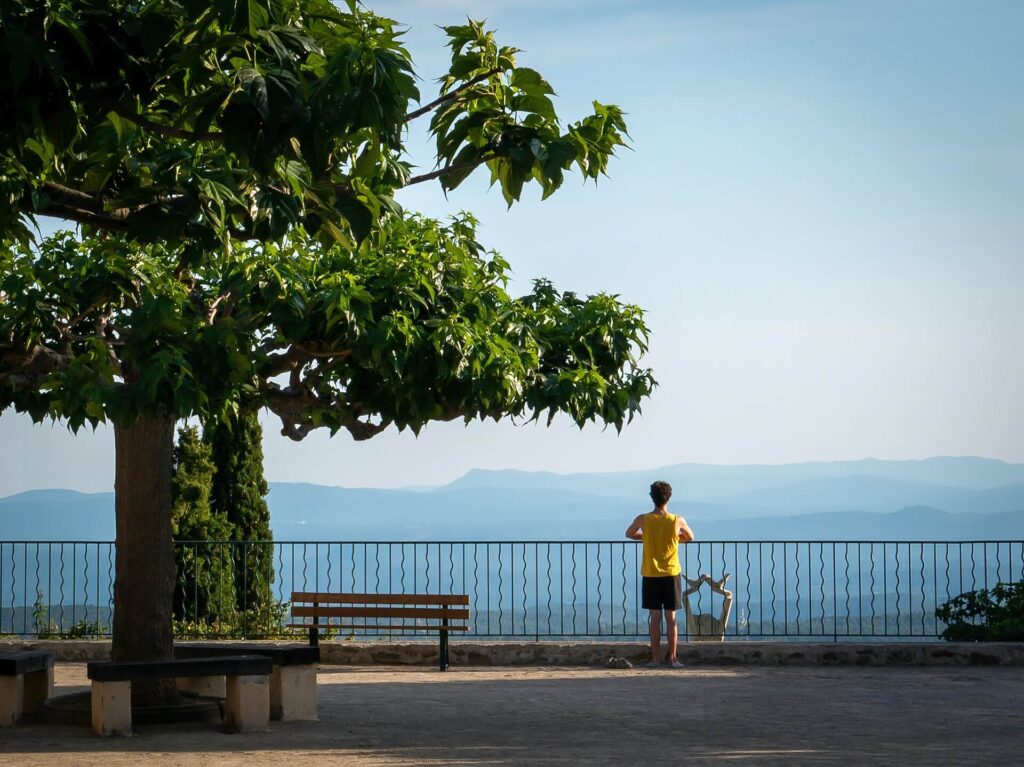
[515,716]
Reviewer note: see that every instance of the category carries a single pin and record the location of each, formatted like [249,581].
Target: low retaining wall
[466,653]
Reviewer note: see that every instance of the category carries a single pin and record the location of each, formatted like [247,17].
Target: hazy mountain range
[933,499]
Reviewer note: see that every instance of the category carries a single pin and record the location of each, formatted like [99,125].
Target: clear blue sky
[823,214]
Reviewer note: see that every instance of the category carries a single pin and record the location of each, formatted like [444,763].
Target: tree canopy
[186,121]
[412,326]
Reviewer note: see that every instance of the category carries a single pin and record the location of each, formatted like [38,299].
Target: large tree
[233,167]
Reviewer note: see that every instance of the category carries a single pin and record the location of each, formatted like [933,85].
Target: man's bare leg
[671,634]
[655,635]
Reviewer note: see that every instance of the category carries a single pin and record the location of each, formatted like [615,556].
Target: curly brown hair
[660,493]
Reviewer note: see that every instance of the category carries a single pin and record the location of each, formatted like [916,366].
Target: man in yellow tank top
[661,590]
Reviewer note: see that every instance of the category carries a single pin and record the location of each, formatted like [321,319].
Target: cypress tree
[238,494]
[204,589]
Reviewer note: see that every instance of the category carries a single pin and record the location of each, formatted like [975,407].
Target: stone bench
[26,680]
[292,680]
[247,689]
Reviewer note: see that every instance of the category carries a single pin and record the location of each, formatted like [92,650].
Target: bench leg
[112,708]
[38,688]
[444,650]
[12,697]
[293,693]
[248,703]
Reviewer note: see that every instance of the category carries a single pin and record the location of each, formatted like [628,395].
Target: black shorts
[664,593]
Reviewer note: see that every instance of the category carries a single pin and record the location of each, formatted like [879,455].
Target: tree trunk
[144,567]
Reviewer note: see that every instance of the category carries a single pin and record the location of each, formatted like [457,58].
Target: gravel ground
[559,716]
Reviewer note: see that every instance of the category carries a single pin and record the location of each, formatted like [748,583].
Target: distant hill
[710,482]
[874,500]
[910,524]
[880,494]
[51,515]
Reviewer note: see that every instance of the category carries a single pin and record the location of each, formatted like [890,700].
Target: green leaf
[255,87]
[258,16]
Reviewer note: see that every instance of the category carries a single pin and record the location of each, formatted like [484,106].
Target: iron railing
[521,589]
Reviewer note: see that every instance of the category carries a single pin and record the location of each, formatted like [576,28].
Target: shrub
[255,623]
[995,615]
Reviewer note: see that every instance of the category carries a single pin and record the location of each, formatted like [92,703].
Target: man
[662,591]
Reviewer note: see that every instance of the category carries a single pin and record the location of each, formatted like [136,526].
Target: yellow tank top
[661,546]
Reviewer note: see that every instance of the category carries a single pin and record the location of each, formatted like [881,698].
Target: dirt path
[549,716]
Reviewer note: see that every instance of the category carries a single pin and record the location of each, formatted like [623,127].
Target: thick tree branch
[72,213]
[65,329]
[452,95]
[29,369]
[294,404]
[448,169]
[81,197]
[363,430]
[334,354]
[167,131]
[211,313]
[296,355]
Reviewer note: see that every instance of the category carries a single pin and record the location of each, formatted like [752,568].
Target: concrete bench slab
[26,681]
[293,695]
[247,689]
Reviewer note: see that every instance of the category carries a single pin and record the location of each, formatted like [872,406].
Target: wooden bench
[355,611]
[292,681]
[26,680]
[248,689]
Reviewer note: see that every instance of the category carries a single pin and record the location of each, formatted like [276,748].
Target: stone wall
[467,653]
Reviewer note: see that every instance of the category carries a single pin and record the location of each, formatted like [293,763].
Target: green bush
[984,615]
[255,623]
[44,628]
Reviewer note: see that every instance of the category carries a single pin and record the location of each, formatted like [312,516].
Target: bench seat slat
[128,671]
[370,626]
[380,612]
[291,655]
[324,597]
[24,662]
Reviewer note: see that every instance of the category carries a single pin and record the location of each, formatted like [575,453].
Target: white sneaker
[652,664]
[674,663]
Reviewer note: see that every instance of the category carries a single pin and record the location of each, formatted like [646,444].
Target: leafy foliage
[412,327]
[196,122]
[995,615]
[504,117]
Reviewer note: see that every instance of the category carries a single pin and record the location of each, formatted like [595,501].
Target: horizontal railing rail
[800,590]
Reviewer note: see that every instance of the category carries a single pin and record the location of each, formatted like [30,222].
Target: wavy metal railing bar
[512,596]
[898,582]
[624,576]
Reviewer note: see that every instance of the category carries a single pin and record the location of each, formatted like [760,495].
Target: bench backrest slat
[325,597]
[323,611]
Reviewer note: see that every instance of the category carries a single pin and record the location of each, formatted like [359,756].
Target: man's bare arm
[685,533]
[633,532]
